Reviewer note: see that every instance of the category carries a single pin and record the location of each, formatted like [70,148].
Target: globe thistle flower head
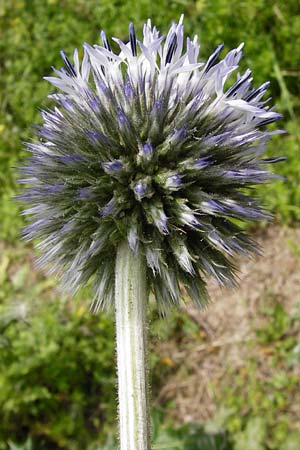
[147,145]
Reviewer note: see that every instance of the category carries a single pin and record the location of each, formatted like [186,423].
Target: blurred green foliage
[57,380]
[57,368]
[259,403]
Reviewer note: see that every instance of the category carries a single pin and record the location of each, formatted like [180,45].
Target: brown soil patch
[228,324]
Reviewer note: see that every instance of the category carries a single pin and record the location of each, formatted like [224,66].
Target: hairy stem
[131,327]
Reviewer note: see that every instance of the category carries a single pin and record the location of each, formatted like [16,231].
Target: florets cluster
[148,145]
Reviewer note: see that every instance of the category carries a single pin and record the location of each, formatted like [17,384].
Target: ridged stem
[131,330]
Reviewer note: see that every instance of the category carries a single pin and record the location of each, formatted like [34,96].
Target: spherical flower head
[148,146]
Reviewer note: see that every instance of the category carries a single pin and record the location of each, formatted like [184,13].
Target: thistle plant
[138,181]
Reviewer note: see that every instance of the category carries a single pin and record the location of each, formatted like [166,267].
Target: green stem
[131,325]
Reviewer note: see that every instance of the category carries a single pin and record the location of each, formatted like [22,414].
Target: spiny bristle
[146,145]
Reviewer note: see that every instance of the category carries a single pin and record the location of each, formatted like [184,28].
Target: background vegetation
[57,381]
